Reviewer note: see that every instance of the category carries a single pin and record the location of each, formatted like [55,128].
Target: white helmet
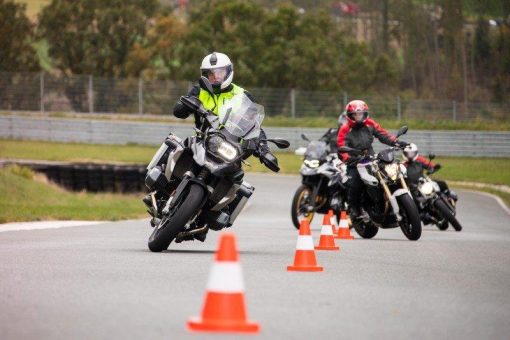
[218,68]
[411,152]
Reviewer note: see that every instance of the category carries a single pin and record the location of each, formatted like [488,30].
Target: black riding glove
[400,144]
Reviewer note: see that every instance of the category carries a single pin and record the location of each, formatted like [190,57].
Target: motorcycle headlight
[391,170]
[227,151]
[426,188]
[314,163]
[222,148]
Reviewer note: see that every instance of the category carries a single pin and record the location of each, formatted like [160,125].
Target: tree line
[442,49]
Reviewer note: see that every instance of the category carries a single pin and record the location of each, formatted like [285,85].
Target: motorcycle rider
[358,132]
[416,164]
[219,71]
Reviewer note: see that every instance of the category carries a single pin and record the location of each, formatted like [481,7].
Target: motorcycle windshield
[316,150]
[241,117]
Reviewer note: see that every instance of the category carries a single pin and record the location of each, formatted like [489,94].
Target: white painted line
[44,225]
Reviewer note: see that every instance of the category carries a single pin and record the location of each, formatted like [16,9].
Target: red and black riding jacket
[361,136]
[415,168]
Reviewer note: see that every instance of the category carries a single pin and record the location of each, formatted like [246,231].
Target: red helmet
[357,111]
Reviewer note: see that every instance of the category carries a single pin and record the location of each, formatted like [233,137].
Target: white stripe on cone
[327,229]
[304,242]
[226,277]
[343,223]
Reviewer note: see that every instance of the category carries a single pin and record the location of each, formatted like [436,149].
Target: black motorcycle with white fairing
[386,201]
[197,184]
[323,182]
[436,206]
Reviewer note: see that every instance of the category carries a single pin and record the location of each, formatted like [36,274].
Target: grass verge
[25,198]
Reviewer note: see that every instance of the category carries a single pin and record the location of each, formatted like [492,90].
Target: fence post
[41,90]
[399,109]
[140,96]
[454,111]
[91,95]
[293,103]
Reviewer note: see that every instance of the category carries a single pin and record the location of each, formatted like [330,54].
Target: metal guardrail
[446,143]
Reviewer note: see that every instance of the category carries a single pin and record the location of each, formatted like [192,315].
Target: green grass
[23,198]
[71,152]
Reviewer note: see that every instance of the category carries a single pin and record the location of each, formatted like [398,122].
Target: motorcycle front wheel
[168,228]
[447,214]
[299,203]
[366,230]
[411,222]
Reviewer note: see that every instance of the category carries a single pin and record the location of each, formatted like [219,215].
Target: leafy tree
[16,35]
[94,36]
[157,55]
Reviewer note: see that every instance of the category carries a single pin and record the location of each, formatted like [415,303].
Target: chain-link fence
[86,94]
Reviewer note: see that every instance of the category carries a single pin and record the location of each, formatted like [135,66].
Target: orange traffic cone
[327,241]
[304,258]
[343,228]
[331,221]
[224,309]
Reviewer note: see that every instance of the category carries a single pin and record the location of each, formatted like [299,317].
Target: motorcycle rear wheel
[446,213]
[168,229]
[411,223]
[297,202]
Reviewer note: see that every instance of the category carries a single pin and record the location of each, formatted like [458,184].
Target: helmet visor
[358,116]
[216,76]
[410,154]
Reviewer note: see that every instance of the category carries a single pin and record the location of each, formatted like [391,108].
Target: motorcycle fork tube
[389,196]
[315,194]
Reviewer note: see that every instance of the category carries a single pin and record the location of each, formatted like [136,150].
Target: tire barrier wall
[90,177]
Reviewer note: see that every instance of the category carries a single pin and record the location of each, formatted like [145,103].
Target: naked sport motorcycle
[387,201]
[199,179]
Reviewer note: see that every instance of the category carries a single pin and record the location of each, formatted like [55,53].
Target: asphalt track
[101,281]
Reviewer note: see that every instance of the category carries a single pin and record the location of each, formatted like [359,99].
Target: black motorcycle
[322,185]
[386,201]
[197,184]
[436,206]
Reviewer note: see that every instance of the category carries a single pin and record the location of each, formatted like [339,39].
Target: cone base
[199,325]
[304,268]
[344,234]
[327,248]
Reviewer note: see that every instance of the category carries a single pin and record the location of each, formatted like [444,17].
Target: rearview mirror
[206,85]
[432,156]
[402,131]
[280,143]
